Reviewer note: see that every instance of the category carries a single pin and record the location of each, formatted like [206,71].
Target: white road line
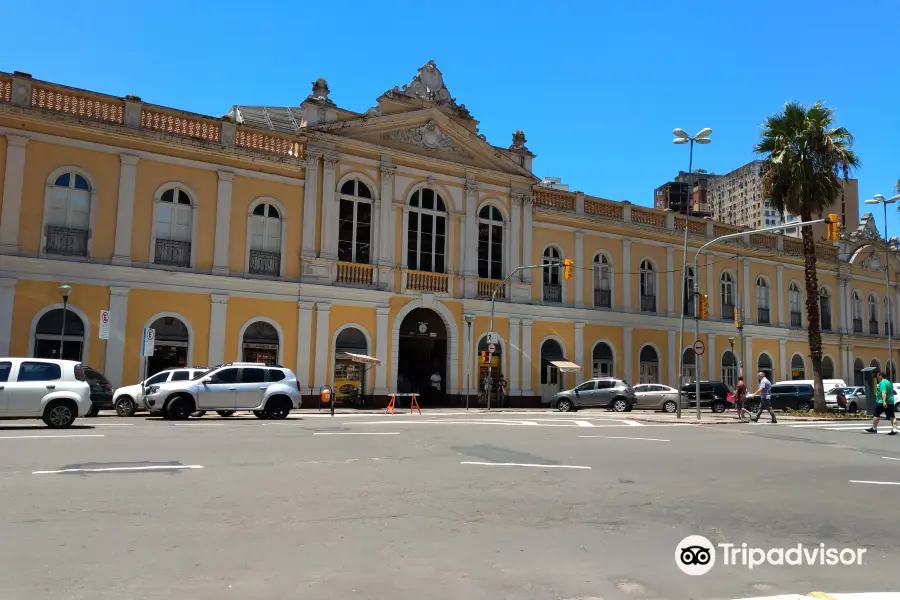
[889,458]
[112,424]
[197,424]
[855,428]
[614,437]
[492,464]
[47,437]
[827,423]
[357,433]
[877,482]
[584,423]
[145,468]
[632,423]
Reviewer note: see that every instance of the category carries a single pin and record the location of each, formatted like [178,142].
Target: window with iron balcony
[68,221]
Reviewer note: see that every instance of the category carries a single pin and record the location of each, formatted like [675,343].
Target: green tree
[806,159]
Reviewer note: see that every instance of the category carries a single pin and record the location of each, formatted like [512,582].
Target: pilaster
[579,352]
[310,205]
[712,358]
[670,281]
[747,291]
[218,317]
[13,182]
[626,277]
[527,371]
[386,243]
[323,327]
[470,264]
[780,291]
[115,346]
[579,270]
[382,344]
[7,300]
[783,360]
[125,209]
[672,379]
[627,333]
[223,223]
[527,229]
[304,343]
[515,357]
[329,208]
[515,228]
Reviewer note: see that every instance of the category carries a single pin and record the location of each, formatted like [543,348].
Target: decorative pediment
[872,263]
[427,136]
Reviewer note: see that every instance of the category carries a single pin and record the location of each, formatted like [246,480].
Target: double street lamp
[889,306]
[683,138]
[65,290]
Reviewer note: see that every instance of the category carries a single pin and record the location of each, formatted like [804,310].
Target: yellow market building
[292,235]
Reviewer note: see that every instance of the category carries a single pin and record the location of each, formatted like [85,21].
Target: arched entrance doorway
[349,376]
[260,343]
[170,349]
[422,356]
[551,378]
[689,366]
[858,366]
[602,361]
[48,331]
[649,365]
[764,365]
[489,365]
[798,369]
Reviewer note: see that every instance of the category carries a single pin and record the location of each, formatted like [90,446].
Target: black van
[713,394]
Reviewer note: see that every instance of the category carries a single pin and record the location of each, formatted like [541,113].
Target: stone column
[382,343]
[715,303]
[322,354]
[13,181]
[115,345]
[673,362]
[515,355]
[714,372]
[7,300]
[629,359]
[779,289]
[579,352]
[749,364]
[310,205]
[783,360]
[527,370]
[670,282]
[579,270]
[514,229]
[386,243]
[527,229]
[747,290]
[304,343]
[125,209]
[329,208]
[626,277]
[218,315]
[223,223]
[470,264]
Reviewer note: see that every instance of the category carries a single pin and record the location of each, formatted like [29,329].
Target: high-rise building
[689,192]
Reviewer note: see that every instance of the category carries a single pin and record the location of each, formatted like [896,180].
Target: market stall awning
[565,366]
[363,358]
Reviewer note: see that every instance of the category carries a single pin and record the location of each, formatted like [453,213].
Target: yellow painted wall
[2,168]
[359,315]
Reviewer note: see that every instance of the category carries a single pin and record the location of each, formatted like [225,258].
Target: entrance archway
[603,363]
[858,366]
[689,366]
[172,346]
[261,343]
[489,365]
[649,365]
[551,378]
[349,376]
[47,334]
[422,356]
[764,365]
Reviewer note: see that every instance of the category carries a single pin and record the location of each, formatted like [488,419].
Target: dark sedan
[101,391]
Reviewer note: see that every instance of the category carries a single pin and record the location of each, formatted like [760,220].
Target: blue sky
[596,86]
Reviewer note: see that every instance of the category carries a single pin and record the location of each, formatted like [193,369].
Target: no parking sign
[104,325]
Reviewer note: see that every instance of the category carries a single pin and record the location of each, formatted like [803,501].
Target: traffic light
[568,267]
[738,317]
[485,358]
[834,222]
[702,306]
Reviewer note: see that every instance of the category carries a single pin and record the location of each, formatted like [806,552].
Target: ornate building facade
[293,235]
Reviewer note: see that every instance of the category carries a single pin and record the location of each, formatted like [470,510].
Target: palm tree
[807,157]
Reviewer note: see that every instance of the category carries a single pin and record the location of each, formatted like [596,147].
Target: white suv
[130,398]
[36,388]
[270,392]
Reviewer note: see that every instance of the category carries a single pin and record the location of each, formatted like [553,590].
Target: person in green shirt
[884,398]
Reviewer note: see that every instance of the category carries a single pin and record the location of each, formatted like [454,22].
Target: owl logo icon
[695,555]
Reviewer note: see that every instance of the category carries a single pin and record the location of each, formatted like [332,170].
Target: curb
[826,596]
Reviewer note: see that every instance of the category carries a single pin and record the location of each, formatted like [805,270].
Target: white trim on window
[48,195]
[374,215]
[248,240]
[445,214]
[157,195]
[597,266]
[490,222]
[548,271]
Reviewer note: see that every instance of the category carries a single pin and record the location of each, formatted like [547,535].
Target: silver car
[605,392]
[856,399]
[654,396]
[270,392]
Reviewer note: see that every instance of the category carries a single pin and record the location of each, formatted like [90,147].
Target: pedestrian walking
[884,404]
[765,397]
[501,390]
[740,393]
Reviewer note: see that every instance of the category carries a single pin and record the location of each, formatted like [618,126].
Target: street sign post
[492,348]
[104,325]
[492,338]
[149,340]
[699,348]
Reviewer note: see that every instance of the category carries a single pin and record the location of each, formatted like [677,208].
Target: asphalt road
[300,509]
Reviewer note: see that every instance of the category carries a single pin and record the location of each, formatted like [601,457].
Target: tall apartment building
[689,192]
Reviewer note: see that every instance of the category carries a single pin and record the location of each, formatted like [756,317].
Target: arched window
[726,285]
[796,301]
[68,219]
[57,331]
[265,227]
[858,366]
[874,363]
[857,313]
[260,343]
[688,301]
[825,309]
[873,314]
[648,288]
[349,376]
[649,362]
[602,281]
[762,301]
[173,228]
[552,286]
[798,368]
[427,232]
[689,365]
[888,315]
[827,368]
[729,369]
[603,361]
[764,365]
[490,243]
[355,224]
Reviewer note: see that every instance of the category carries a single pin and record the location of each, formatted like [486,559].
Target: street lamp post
[733,357]
[683,138]
[65,290]
[889,306]
[469,320]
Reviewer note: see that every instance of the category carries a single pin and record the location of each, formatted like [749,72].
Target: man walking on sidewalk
[884,404]
[765,401]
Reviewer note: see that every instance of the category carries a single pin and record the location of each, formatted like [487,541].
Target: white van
[827,384]
[37,388]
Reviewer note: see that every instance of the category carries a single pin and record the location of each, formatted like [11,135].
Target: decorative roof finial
[320,91]
[519,141]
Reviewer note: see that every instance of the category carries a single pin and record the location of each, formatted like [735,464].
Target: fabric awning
[565,366]
[363,358]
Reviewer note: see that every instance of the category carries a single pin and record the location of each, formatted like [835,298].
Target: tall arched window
[888,315]
[857,313]
[552,287]
[173,228]
[688,301]
[427,232]
[762,301]
[827,368]
[689,365]
[858,366]
[729,369]
[649,364]
[796,301]
[764,365]
[355,223]
[648,287]
[602,281]
[265,240]
[490,243]
[69,216]
[726,285]
[873,314]
[603,361]
[798,368]
[825,309]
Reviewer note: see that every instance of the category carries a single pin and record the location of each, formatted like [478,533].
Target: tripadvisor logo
[696,555]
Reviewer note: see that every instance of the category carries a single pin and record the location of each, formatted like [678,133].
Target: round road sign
[699,347]
[492,348]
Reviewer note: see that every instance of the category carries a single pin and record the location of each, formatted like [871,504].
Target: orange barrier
[413,404]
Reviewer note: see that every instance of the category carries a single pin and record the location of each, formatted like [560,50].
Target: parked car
[270,392]
[713,394]
[827,384]
[606,392]
[101,391]
[795,396]
[36,388]
[856,399]
[654,396]
[130,398]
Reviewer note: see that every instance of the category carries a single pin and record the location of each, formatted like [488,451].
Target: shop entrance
[171,347]
[260,344]
[49,330]
[422,358]
[489,365]
[349,376]
[551,377]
